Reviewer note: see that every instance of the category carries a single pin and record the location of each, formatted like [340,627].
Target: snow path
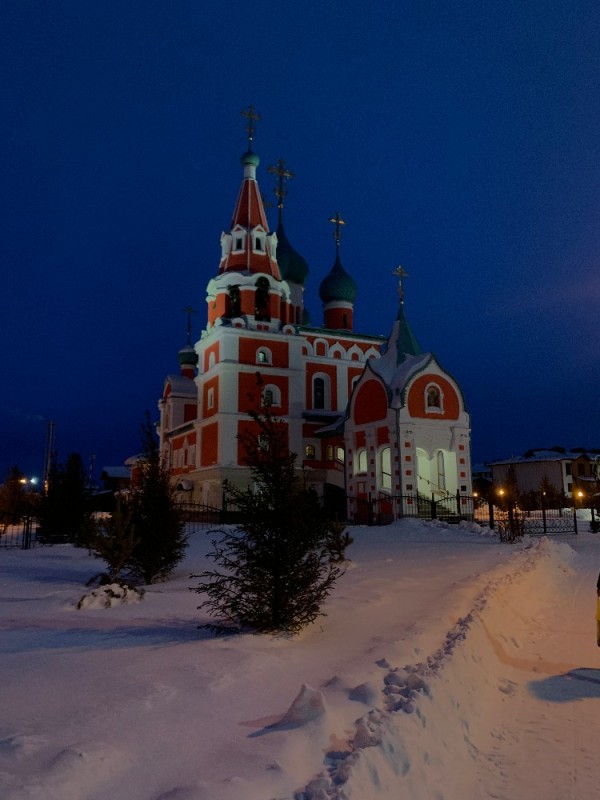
[135,703]
[510,746]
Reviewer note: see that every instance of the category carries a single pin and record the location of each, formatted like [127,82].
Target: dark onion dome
[187,356]
[338,285]
[291,264]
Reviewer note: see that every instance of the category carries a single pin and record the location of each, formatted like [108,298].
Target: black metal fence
[17,531]
[373,509]
[381,509]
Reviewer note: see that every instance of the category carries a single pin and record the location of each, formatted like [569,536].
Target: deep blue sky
[459,139]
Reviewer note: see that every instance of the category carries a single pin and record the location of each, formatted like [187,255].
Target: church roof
[248,218]
[401,360]
[402,341]
[292,265]
[181,385]
[397,376]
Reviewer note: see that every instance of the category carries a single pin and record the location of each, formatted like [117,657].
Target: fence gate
[17,531]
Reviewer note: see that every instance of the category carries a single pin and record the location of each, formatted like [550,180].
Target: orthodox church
[367,417]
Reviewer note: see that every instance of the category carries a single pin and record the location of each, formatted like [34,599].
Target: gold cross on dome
[401,273]
[252,117]
[283,175]
[338,222]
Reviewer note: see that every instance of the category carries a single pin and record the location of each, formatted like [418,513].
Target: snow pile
[449,666]
[109,595]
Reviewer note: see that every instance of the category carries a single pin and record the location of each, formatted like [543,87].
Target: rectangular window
[210,398]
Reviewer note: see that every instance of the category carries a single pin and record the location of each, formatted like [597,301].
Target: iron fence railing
[17,530]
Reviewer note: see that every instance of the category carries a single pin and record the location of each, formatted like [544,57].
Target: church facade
[365,415]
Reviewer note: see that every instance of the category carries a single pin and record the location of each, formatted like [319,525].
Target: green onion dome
[250,159]
[338,285]
[187,356]
[292,265]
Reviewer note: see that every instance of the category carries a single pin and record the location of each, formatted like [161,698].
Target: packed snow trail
[504,708]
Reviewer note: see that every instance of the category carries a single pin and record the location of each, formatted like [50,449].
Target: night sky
[460,139]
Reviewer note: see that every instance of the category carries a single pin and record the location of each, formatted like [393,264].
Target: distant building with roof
[365,414]
[567,471]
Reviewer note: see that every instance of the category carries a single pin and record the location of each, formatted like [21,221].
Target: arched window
[319,393]
[360,461]
[271,396]
[309,451]
[263,356]
[441,470]
[261,301]
[385,468]
[433,398]
[235,301]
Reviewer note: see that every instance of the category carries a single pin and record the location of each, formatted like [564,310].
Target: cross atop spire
[189,311]
[283,175]
[252,116]
[401,273]
[338,222]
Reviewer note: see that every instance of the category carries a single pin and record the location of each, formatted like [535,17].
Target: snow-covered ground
[449,667]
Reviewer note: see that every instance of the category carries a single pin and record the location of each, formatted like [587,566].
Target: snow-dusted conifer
[156,520]
[274,570]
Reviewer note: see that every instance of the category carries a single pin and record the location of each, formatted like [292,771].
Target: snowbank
[443,654]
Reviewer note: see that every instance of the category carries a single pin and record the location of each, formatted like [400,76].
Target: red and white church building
[366,416]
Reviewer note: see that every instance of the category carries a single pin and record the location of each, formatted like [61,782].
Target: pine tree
[15,500]
[159,528]
[275,568]
[114,541]
[65,508]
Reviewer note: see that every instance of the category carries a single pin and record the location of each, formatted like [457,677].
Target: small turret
[187,356]
[338,289]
